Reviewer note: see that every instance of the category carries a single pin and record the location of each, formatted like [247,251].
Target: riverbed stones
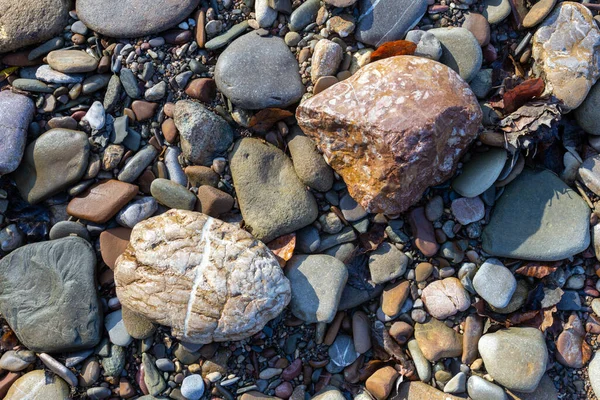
[222,283]
[24,24]
[204,134]
[51,163]
[71,61]
[480,173]
[445,298]
[339,119]
[565,50]
[317,282]
[16,113]
[516,357]
[57,271]
[538,217]
[257,72]
[272,199]
[460,51]
[387,263]
[38,385]
[133,18]
[387,20]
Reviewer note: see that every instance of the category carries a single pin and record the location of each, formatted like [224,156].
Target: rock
[516,357]
[90,372]
[387,20]
[480,389]
[46,74]
[571,348]
[192,387]
[54,161]
[568,37]
[480,173]
[394,297]
[206,299]
[538,12]
[594,373]
[133,18]
[203,89]
[213,202]
[58,368]
[361,332]
[460,51]
[265,15]
[325,59]
[71,61]
[423,233]
[172,194]
[496,11]
[290,205]
[351,210]
[478,25]
[538,217]
[421,391]
[457,384]
[323,83]
[115,362]
[137,326]
[468,210]
[199,175]
[15,117]
[102,201]
[381,383]
[445,298]
[421,363]
[472,331]
[317,282]
[227,37]
[16,361]
[257,72]
[137,164]
[589,173]
[204,134]
[328,393]
[393,181]
[143,110]
[57,271]
[436,340]
[113,243]
[136,211]
[585,113]
[304,15]
[116,329]
[427,44]
[152,377]
[24,24]
[95,116]
[545,391]
[309,164]
[38,385]
[495,283]
[387,263]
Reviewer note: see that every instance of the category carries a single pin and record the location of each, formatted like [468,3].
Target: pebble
[478,25]
[323,83]
[16,361]
[46,74]
[361,332]
[423,271]
[421,363]
[458,384]
[585,113]
[115,362]
[538,13]
[571,348]
[473,329]
[589,173]
[136,211]
[481,389]
[224,39]
[394,297]
[381,383]
[461,51]
[32,85]
[434,209]
[90,372]
[138,326]
[137,164]
[58,368]
[309,164]
[38,384]
[423,233]
[17,114]
[116,329]
[436,340]
[594,373]
[351,210]
[269,373]
[495,283]
[213,202]
[156,92]
[203,89]
[480,173]
[326,59]
[98,393]
[94,83]
[130,83]
[95,116]
[172,194]
[265,15]
[445,298]
[468,210]
[71,61]
[427,44]
[387,263]
[496,11]
[154,381]
[102,201]
[304,15]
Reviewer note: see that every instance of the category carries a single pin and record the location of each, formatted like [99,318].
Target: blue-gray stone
[16,113]
[383,21]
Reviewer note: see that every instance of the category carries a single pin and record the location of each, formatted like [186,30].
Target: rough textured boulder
[48,295]
[206,279]
[566,49]
[390,133]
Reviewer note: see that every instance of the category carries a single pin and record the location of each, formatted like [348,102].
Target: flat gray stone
[226,38]
[136,211]
[304,15]
[496,11]
[460,51]
[133,18]
[538,217]
[138,163]
[16,113]
[116,329]
[46,74]
[495,283]
[66,228]
[480,173]
[589,173]
[387,263]
[257,72]
[480,389]
[427,44]
[317,282]
[50,287]
[587,113]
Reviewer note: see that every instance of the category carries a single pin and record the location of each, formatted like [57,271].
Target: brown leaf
[538,269]
[548,319]
[264,120]
[373,238]
[383,340]
[515,98]
[8,341]
[536,119]
[283,248]
[391,49]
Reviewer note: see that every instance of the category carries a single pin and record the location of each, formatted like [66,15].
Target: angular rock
[206,279]
[133,18]
[16,113]
[436,340]
[51,163]
[538,217]
[38,286]
[349,123]
[445,298]
[272,199]
[381,383]
[565,50]
[257,72]
[204,134]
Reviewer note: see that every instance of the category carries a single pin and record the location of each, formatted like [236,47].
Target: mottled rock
[325,59]
[387,263]
[495,283]
[436,340]
[571,348]
[222,283]
[16,113]
[38,385]
[445,298]
[350,124]
[565,50]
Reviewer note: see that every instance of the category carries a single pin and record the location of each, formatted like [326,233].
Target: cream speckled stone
[565,49]
[206,279]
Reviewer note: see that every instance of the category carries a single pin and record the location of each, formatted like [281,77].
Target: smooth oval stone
[496,11]
[587,113]
[95,83]
[51,163]
[480,173]
[67,228]
[137,211]
[227,37]
[31,85]
[257,72]
[137,164]
[304,15]
[460,51]
[538,217]
[71,61]
[58,272]
[133,18]
[15,361]
[47,74]
[16,113]
[172,194]
[39,385]
[480,389]
[538,12]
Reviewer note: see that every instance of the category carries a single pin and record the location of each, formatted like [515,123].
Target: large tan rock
[394,128]
[206,279]
[566,49]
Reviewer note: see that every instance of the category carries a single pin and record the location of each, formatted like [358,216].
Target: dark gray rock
[224,39]
[66,228]
[304,15]
[16,113]
[51,163]
[133,18]
[204,135]
[138,163]
[257,72]
[130,83]
[272,199]
[48,295]
[383,21]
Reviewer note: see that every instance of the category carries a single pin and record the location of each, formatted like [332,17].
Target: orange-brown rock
[381,383]
[102,201]
[113,243]
[394,128]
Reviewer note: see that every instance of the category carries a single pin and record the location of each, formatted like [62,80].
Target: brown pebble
[113,243]
[381,383]
[102,201]
[104,65]
[169,109]
[177,36]
[393,297]
[284,390]
[472,333]
[423,271]
[479,26]
[169,130]
[129,112]
[19,59]
[292,371]
[7,381]
[145,181]
[126,389]
[199,31]
[143,110]
[78,39]
[538,13]
[63,122]
[323,83]
[199,175]
[423,233]
[334,328]
[203,89]
[401,332]
[213,202]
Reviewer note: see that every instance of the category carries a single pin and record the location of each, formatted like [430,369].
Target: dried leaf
[264,120]
[283,248]
[391,49]
[538,269]
[9,340]
[5,73]
[383,340]
[548,318]
[537,119]
[373,238]
[517,97]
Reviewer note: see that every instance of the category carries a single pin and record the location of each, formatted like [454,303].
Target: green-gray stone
[152,376]
[227,37]
[114,364]
[172,194]
[304,15]
[31,85]
[480,173]
[460,51]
